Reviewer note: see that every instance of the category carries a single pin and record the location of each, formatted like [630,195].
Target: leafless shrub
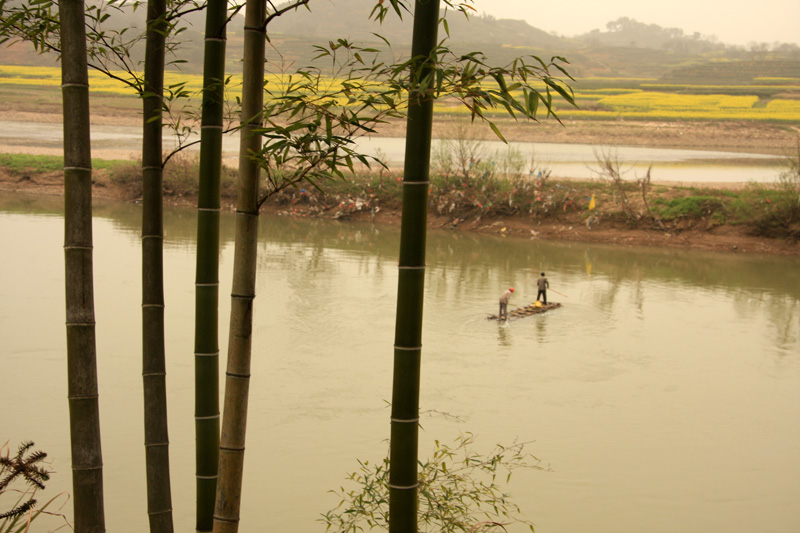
[609,170]
[644,188]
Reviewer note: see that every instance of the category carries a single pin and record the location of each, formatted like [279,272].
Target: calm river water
[664,395]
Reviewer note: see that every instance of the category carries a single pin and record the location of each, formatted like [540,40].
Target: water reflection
[663,373]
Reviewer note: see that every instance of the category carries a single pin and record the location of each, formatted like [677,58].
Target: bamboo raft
[528,310]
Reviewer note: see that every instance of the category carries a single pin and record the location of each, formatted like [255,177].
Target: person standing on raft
[503,314]
[543,286]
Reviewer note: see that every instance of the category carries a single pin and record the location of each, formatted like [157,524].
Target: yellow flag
[592,204]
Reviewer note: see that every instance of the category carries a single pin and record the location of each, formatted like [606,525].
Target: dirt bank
[730,136]
[735,136]
[567,227]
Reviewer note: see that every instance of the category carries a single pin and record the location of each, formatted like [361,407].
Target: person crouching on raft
[543,285]
[503,314]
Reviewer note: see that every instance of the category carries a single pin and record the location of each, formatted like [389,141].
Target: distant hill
[350,19]
[629,33]
[626,48]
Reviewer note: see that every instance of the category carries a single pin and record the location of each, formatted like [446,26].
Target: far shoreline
[763,138]
[727,136]
[568,228]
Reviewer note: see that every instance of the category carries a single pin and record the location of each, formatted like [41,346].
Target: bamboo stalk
[83,397]
[237,379]
[206,339]
[156,435]
[404,443]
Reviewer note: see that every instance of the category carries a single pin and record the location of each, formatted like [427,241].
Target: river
[563,160]
[664,395]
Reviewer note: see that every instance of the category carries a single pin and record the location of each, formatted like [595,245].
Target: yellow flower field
[621,102]
[101,83]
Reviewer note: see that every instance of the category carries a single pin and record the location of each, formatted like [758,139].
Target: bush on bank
[478,193]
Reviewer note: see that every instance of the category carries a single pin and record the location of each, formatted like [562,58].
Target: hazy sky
[732,21]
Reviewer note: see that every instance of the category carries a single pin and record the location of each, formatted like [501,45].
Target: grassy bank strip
[771,210]
[768,210]
[19,164]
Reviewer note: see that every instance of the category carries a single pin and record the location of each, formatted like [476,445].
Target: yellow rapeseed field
[101,83]
[601,102]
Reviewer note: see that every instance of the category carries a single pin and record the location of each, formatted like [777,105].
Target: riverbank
[733,136]
[702,216]
[555,212]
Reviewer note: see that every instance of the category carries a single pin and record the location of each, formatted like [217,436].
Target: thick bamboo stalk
[84,411]
[237,379]
[156,436]
[206,332]
[404,440]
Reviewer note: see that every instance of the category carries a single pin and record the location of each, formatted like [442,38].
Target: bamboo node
[405,267]
[408,348]
[416,182]
[71,247]
[404,487]
[198,476]
[78,168]
[156,444]
[214,354]
[165,511]
[83,397]
[230,449]
[212,417]
[81,324]
[240,376]
[229,520]
[405,421]
[87,468]
[206,284]
[243,296]
[152,305]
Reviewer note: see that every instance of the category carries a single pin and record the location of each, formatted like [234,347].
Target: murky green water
[664,394]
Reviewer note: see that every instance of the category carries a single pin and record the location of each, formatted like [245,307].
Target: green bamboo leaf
[500,81]
[497,132]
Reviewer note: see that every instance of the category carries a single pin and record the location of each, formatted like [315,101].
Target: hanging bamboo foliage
[156,436]
[84,411]
[237,378]
[404,441]
[206,337]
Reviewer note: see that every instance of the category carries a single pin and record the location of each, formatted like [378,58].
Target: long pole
[154,372]
[237,374]
[84,411]
[206,336]
[404,443]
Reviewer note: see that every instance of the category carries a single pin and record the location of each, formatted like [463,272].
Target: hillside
[626,48]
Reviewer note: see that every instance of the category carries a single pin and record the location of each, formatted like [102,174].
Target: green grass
[32,164]
[770,210]
[687,207]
